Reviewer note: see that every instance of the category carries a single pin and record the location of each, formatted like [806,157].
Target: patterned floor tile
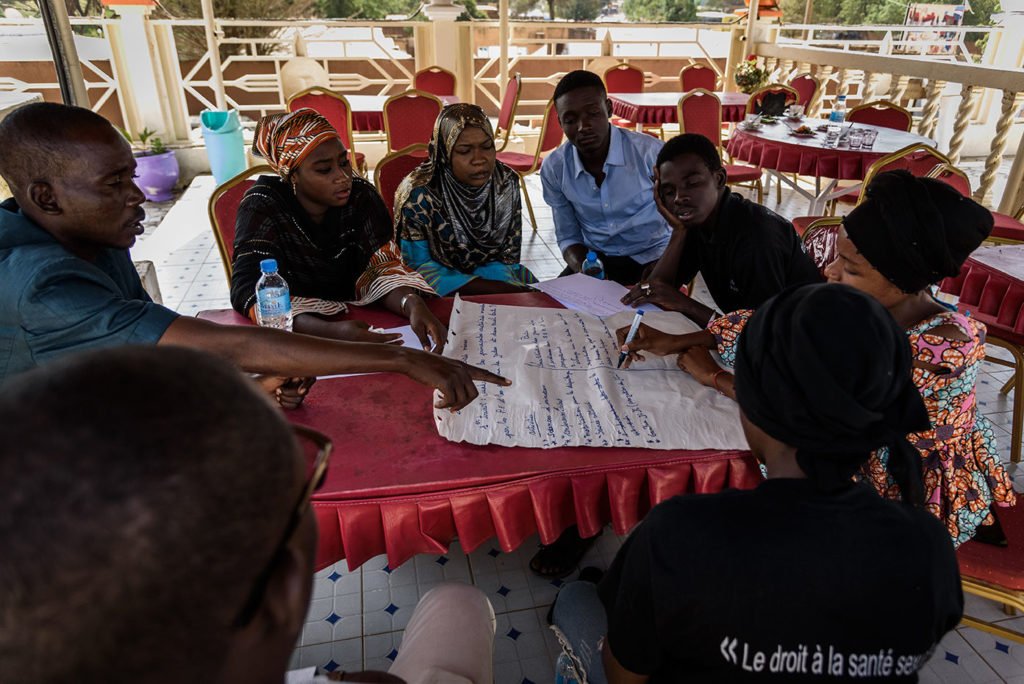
[380,650]
[984,609]
[344,655]
[1003,655]
[955,662]
[389,610]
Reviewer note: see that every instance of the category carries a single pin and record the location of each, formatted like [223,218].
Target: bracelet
[714,380]
[401,305]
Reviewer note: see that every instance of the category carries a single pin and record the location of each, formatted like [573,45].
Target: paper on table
[409,339]
[567,391]
[580,292]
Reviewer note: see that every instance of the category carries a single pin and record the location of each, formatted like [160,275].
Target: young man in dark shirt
[810,576]
[745,252]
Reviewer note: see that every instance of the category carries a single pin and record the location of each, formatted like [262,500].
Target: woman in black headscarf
[908,235]
[823,378]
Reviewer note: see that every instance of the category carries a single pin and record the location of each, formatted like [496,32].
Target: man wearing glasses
[175,543]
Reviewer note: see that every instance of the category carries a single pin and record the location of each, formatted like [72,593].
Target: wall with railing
[949,92]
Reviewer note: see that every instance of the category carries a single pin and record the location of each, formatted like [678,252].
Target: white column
[137,70]
[443,14]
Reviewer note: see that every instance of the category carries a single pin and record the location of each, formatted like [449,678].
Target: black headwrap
[826,369]
[916,231]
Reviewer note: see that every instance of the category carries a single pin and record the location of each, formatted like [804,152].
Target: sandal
[559,559]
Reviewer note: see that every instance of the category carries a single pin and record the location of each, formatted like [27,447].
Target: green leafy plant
[749,76]
[146,136]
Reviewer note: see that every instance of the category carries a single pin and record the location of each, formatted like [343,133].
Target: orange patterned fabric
[284,140]
[963,476]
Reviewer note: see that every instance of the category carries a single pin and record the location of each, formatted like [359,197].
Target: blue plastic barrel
[225,147]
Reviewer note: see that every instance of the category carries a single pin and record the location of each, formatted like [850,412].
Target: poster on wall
[934,42]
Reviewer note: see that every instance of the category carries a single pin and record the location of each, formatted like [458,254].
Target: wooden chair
[435,80]
[507,113]
[223,210]
[524,164]
[695,76]
[409,118]
[821,239]
[996,573]
[807,87]
[1006,229]
[917,158]
[700,111]
[392,170]
[335,108]
[624,78]
[774,97]
[881,113]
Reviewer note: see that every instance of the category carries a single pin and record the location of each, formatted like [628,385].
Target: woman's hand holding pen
[648,339]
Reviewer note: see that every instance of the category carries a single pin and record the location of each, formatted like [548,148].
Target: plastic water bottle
[834,127]
[838,115]
[593,267]
[565,673]
[273,300]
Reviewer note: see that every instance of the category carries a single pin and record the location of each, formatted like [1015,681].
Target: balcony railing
[381,57]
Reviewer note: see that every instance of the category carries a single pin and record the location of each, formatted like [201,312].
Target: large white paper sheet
[566,390]
[580,292]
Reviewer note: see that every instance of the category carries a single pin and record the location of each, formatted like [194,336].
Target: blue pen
[623,353]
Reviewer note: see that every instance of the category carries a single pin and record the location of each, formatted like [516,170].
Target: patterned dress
[422,218]
[963,476]
[349,258]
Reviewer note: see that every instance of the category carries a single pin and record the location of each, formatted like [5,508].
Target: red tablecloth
[772,147]
[660,108]
[368,110]
[993,295]
[395,486]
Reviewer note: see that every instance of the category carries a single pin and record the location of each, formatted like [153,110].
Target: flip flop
[558,560]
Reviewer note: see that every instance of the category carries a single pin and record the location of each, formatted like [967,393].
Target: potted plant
[749,76]
[157,167]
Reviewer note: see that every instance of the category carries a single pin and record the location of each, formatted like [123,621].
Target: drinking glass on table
[855,138]
[869,138]
[832,131]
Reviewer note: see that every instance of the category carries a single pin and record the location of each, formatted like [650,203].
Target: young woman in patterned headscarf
[459,214]
[330,233]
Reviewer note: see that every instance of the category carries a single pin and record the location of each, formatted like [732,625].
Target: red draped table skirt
[654,109]
[395,486]
[773,147]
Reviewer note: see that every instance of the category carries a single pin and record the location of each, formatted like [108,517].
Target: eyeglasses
[316,448]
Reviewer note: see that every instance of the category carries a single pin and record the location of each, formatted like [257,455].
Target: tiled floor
[356,619]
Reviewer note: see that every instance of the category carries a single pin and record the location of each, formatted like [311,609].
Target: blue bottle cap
[591,256]
[268,265]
